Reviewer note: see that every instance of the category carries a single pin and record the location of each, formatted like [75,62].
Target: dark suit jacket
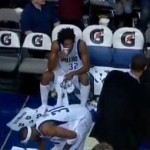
[117,110]
[144,115]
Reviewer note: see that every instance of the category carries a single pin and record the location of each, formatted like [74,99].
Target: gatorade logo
[6,39]
[128,39]
[37,40]
[97,36]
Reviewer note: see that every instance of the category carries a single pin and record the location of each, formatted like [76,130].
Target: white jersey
[73,61]
[26,117]
[64,115]
[73,117]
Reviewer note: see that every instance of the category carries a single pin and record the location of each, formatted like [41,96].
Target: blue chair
[99,41]
[127,42]
[100,56]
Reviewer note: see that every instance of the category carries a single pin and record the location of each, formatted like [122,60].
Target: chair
[9,19]
[9,51]
[127,42]
[35,42]
[99,41]
[76,29]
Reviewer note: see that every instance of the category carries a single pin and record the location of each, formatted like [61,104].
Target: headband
[28,135]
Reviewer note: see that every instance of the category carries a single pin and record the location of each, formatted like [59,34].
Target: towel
[63,88]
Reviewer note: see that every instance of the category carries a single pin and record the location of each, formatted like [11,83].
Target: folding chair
[98,39]
[127,42]
[35,42]
[9,51]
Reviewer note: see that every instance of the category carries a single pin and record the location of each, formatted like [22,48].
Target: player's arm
[56,131]
[85,59]
[53,56]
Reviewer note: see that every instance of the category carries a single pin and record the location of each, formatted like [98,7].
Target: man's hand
[68,76]
[62,55]
[67,147]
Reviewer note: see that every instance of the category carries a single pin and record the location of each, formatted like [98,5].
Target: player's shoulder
[81,46]
[116,76]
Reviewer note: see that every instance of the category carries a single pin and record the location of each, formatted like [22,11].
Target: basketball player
[68,58]
[62,125]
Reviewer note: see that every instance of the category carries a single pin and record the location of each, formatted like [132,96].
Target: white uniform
[73,117]
[71,63]
[26,117]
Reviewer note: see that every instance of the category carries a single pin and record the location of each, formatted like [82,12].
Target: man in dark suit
[144,118]
[118,107]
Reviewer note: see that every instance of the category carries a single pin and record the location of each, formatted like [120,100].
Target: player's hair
[25,134]
[65,34]
[138,62]
[103,146]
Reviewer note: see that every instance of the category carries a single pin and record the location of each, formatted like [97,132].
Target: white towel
[26,117]
[62,88]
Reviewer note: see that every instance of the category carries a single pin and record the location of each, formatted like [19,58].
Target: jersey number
[73,66]
[58,110]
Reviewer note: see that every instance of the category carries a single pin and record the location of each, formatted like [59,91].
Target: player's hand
[67,147]
[62,55]
[68,76]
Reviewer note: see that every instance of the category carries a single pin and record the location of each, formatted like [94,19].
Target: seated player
[68,58]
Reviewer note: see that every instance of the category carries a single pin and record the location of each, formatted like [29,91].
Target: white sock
[84,94]
[44,89]
[65,100]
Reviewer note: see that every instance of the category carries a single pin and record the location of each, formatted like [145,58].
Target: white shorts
[82,130]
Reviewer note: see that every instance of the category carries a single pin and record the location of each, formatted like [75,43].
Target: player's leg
[82,142]
[45,85]
[49,129]
[84,88]
[79,145]
[82,131]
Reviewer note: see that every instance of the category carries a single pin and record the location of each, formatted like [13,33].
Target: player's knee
[47,77]
[84,79]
